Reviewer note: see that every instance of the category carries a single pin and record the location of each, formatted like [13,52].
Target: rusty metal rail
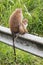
[27,42]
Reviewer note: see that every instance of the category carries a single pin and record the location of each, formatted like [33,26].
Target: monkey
[14,21]
[23,27]
[17,25]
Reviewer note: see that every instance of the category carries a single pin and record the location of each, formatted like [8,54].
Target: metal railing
[27,42]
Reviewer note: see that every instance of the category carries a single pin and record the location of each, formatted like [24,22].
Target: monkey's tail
[13,38]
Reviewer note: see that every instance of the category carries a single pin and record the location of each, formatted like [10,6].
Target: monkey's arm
[22,29]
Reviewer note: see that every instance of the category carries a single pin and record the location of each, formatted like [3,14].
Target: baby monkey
[23,27]
[17,25]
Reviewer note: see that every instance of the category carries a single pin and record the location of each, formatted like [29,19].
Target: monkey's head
[18,14]
[25,22]
[18,10]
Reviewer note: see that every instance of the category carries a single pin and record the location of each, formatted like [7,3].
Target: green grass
[33,11]
[23,58]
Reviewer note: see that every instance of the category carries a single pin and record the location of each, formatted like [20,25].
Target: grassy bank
[33,11]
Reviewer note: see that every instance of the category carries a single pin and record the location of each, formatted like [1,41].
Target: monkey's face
[25,22]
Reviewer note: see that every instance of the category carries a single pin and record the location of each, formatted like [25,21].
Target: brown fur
[15,20]
[23,27]
[17,23]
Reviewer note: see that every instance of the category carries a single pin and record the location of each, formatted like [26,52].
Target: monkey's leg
[13,38]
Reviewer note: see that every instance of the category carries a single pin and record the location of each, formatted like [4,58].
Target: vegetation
[33,11]
[23,58]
